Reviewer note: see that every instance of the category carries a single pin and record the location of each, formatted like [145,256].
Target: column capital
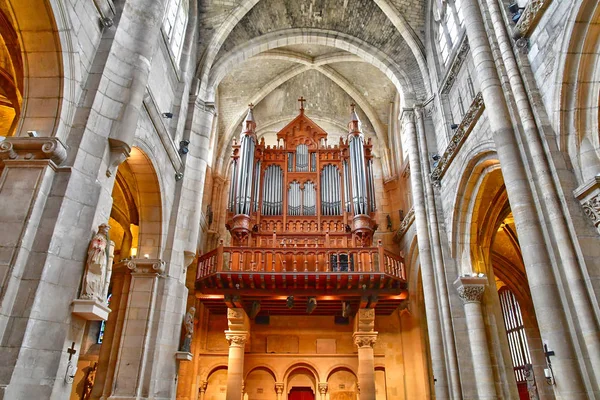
[365,339]
[142,266]
[471,288]
[236,338]
[31,149]
[279,388]
[203,386]
[407,115]
[323,387]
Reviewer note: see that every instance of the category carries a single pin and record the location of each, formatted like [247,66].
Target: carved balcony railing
[310,268]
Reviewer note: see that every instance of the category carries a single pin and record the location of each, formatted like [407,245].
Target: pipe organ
[302,191]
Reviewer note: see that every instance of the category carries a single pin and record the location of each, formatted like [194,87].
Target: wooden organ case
[302,217]
[302,192]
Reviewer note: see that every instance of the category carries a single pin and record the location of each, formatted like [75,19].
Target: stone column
[365,338]
[127,366]
[470,290]
[434,328]
[202,389]
[566,242]
[323,390]
[279,390]
[236,336]
[547,299]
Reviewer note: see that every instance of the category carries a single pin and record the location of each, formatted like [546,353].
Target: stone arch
[236,16]
[149,203]
[263,367]
[340,367]
[215,368]
[50,65]
[322,37]
[302,368]
[260,382]
[577,95]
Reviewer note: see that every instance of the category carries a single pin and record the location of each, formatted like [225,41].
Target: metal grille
[515,330]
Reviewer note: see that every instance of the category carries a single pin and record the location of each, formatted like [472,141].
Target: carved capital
[29,149]
[529,17]
[323,387]
[470,288]
[203,386]
[365,340]
[279,388]
[145,266]
[589,197]
[236,339]
[407,116]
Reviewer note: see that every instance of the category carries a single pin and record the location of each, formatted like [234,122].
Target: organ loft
[301,215]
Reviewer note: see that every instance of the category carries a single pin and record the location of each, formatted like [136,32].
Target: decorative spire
[249,123]
[354,124]
[301,100]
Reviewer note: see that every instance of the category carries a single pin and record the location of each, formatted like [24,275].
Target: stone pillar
[202,389]
[127,70]
[547,299]
[279,390]
[126,368]
[365,338]
[434,328]
[323,390]
[236,336]
[470,290]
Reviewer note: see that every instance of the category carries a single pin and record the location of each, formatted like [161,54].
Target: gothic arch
[50,67]
[577,98]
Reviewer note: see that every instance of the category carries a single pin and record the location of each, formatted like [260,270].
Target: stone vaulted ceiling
[332,52]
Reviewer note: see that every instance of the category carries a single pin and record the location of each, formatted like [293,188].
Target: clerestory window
[174,26]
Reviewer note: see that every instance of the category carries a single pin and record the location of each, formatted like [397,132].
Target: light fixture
[167,115]
[146,256]
[435,157]
[183,147]
[513,8]
[106,22]
[133,252]
[453,126]
[32,134]
[178,176]
[311,304]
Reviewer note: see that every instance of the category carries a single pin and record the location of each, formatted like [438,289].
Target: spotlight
[106,22]
[183,147]
[167,115]
[178,176]
[454,126]
[435,157]
[290,302]
[32,134]
[311,304]
[513,8]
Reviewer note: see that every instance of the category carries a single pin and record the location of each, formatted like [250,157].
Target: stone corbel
[589,197]
[33,149]
[119,152]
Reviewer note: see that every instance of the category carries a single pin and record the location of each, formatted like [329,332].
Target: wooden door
[301,393]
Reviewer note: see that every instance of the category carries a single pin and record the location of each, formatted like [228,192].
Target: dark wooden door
[301,393]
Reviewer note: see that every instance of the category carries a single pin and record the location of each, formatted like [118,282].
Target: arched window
[174,26]
[450,20]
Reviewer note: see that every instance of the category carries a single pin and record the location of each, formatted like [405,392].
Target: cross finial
[251,106]
[352,106]
[301,100]
[71,351]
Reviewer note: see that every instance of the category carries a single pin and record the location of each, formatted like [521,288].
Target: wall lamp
[183,147]
[454,126]
[516,12]
[167,115]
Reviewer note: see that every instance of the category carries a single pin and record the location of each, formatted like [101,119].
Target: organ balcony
[301,215]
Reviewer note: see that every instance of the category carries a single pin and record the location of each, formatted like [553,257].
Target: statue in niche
[98,269]
[188,323]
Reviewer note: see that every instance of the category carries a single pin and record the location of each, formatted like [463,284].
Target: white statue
[99,255]
[189,329]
